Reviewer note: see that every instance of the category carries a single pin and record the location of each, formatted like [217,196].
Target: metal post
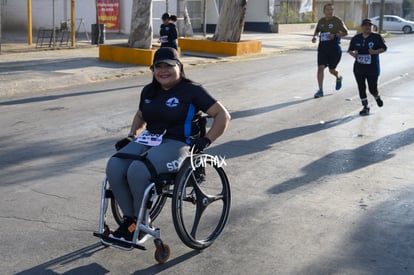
[1,11]
[72,23]
[53,25]
[205,18]
[29,23]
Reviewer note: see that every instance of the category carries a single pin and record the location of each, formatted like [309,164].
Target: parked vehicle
[393,23]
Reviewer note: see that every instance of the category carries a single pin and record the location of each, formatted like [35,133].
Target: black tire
[154,212]
[407,29]
[200,207]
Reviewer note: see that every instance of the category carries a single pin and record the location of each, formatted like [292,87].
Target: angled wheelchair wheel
[154,212]
[201,201]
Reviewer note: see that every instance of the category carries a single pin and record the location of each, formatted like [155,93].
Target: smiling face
[167,75]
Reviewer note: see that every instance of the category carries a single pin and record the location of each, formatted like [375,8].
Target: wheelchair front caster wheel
[162,251]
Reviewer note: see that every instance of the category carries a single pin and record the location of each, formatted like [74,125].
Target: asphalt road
[316,189]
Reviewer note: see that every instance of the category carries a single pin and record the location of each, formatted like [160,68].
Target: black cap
[166,55]
[366,22]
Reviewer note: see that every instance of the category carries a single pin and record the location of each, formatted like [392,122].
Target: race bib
[325,36]
[364,58]
[150,139]
[164,39]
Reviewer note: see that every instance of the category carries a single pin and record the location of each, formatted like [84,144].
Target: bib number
[325,36]
[150,139]
[364,58]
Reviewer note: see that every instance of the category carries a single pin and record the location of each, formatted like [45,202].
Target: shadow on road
[382,242]
[237,148]
[265,109]
[55,97]
[345,161]
[94,268]
[162,267]
[86,252]
[32,156]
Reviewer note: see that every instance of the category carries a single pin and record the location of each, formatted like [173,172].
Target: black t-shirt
[169,30]
[327,26]
[176,110]
[364,62]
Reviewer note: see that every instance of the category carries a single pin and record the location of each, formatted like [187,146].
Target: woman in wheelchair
[164,129]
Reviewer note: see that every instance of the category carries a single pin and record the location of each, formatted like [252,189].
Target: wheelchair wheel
[201,202]
[154,212]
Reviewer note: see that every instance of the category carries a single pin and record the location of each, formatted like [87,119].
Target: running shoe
[125,231]
[318,94]
[338,85]
[364,111]
[379,101]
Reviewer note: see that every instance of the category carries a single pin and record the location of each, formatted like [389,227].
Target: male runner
[330,30]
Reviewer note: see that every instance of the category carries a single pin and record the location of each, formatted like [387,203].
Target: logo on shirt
[330,25]
[147,101]
[172,102]
[370,45]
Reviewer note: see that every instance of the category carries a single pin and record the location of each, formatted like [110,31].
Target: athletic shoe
[338,83]
[125,231]
[318,94]
[379,101]
[364,111]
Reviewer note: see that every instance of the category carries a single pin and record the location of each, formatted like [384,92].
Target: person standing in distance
[330,30]
[168,32]
[365,47]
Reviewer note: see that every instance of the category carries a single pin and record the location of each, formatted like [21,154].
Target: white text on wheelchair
[205,159]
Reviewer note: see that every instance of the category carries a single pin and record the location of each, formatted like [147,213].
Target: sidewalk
[27,68]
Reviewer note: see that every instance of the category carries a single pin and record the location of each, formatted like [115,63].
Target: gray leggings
[129,178]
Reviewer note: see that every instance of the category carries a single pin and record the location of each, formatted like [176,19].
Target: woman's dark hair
[173,18]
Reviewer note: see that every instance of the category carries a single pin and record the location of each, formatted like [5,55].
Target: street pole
[205,18]
[29,23]
[1,9]
[72,23]
[53,25]
[381,16]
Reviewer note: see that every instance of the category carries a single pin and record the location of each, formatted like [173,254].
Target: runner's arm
[138,124]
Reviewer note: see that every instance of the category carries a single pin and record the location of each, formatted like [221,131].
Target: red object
[108,13]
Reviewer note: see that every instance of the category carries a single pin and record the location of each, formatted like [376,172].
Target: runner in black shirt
[365,47]
[168,32]
[165,127]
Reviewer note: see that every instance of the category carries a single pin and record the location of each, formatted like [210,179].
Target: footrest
[125,245]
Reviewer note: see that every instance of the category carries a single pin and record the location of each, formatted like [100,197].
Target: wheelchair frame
[175,186]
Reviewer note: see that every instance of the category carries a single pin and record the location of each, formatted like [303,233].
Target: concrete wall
[14,16]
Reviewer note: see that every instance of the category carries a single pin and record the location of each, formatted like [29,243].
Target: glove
[122,143]
[200,144]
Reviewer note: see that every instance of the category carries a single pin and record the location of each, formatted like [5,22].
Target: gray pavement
[25,68]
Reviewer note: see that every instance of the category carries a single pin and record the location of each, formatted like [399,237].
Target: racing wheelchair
[200,203]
